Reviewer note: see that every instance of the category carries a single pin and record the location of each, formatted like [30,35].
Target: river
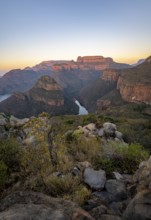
[82,109]
[3,97]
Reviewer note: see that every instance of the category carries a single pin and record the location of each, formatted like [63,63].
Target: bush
[3,174]
[81,195]
[10,154]
[84,148]
[124,159]
[36,161]
[61,186]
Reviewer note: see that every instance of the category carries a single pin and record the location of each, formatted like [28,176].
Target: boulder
[37,206]
[16,122]
[119,135]
[95,179]
[143,175]
[140,207]
[109,129]
[105,196]
[117,176]
[110,217]
[117,189]
[90,127]
[3,120]
[101,132]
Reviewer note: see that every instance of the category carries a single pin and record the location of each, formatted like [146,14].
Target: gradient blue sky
[35,30]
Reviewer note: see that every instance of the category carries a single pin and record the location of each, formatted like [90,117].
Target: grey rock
[143,175]
[118,207]
[110,217]
[119,135]
[109,129]
[105,196]
[95,179]
[16,122]
[36,206]
[140,207]
[117,176]
[3,121]
[99,211]
[101,132]
[117,189]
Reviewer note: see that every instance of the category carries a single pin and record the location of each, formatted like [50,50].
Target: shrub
[3,174]
[61,186]
[10,154]
[36,160]
[84,149]
[81,195]
[123,158]
[44,114]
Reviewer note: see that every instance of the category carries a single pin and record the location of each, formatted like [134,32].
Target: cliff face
[138,93]
[135,84]
[99,62]
[111,75]
[45,96]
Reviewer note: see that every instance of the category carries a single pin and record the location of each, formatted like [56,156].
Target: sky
[32,31]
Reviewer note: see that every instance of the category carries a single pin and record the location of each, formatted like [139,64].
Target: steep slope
[135,83]
[19,80]
[45,96]
[91,95]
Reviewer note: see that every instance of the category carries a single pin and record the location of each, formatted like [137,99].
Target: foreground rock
[95,179]
[140,207]
[37,206]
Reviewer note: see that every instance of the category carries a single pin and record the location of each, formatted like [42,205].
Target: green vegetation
[10,157]
[122,158]
[39,166]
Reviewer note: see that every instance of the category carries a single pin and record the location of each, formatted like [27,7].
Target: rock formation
[46,95]
[22,80]
[118,87]
[33,205]
[135,84]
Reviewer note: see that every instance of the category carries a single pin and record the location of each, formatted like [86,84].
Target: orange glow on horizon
[21,64]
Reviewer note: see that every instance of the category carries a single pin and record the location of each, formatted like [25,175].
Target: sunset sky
[35,30]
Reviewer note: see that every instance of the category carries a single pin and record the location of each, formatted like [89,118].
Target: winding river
[3,97]
[82,109]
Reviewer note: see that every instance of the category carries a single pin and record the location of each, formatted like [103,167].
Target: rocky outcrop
[33,205]
[138,93]
[135,84]
[111,75]
[45,96]
[139,207]
[99,62]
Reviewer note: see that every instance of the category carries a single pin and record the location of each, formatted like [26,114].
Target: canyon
[97,82]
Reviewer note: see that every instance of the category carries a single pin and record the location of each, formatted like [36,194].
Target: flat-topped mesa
[64,66]
[93,59]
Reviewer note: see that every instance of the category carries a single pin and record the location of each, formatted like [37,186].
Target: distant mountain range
[97,82]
